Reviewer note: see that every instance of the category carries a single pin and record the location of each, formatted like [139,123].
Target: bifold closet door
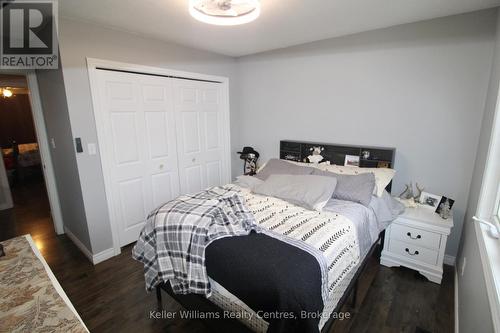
[140,142]
[201,142]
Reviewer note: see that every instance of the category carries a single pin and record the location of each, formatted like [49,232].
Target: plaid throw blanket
[172,244]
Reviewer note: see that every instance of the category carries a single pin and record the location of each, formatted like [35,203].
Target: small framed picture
[442,201]
[429,200]
[351,160]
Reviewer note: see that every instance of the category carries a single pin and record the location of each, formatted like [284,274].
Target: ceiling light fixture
[225,12]
[6,92]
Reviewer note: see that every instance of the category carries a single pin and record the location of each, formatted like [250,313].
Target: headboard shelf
[379,157]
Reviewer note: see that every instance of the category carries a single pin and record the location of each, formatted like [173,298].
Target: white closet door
[137,115]
[200,125]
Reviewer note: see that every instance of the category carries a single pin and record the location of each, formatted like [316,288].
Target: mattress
[367,229]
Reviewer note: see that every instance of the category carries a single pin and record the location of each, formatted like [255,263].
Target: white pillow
[383,176]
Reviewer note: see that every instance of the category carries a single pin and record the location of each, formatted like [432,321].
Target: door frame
[93,65]
[43,145]
[4,182]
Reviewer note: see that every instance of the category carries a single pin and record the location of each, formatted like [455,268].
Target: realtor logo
[28,34]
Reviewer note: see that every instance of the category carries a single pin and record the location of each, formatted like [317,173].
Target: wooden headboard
[379,157]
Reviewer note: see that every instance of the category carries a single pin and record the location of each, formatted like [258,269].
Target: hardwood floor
[111,297]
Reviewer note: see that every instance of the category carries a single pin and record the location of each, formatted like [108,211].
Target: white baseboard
[78,244]
[449,260]
[457,328]
[94,258]
[103,255]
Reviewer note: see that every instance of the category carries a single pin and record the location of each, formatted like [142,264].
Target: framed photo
[442,201]
[429,200]
[351,160]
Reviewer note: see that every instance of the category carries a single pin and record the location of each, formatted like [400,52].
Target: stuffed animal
[315,156]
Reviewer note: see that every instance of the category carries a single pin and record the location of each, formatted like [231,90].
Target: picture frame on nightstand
[442,201]
[429,200]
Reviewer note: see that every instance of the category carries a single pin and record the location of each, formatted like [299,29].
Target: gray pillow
[311,192]
[247,181]
[282,167]
[356,188]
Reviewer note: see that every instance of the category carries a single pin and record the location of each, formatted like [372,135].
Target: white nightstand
[417,240]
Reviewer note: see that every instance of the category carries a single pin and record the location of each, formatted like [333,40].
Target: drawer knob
[412,254]
[409,235]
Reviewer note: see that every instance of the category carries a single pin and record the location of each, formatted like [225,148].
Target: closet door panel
[136,112]
[200,131]
[132,203]
[214,173]
[164,187]
[212,131]
[195,181]
[157,131]
[124,131]
[191,131]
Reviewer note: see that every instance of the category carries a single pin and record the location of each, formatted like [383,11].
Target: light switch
[53,143]
[78,143]
[92,149]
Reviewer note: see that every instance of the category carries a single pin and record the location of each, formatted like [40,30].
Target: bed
[303,264]
[21,160]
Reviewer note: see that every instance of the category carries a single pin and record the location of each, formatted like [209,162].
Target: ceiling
[13,81]
[282,23]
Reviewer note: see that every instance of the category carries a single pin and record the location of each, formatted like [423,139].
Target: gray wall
[55,111]
[474,309]
[418,87]
[80,40]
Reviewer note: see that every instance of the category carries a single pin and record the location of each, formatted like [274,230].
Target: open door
[5,196]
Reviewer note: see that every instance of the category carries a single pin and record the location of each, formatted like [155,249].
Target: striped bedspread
[332,237]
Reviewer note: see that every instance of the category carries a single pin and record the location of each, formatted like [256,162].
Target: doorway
[26,196]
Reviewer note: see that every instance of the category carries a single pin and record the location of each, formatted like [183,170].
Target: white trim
[93,63]
[490,264]
[457,322]
[449,260]
[78,244]
[94,258]
[4,184]
[92,66]
[53,279]
[43,144]
[103,255]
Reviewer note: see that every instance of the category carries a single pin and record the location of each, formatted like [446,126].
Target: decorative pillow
[311,192]
[383,176]
[281,167]
[356,188]
[248,181]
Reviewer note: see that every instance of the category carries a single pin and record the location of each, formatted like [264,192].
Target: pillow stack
[310,186]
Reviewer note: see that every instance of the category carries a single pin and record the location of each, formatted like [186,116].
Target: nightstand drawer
[413,252]
[414,236]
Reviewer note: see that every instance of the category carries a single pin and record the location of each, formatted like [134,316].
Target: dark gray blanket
[288,279]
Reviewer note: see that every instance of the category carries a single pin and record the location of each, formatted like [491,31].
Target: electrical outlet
[462,269]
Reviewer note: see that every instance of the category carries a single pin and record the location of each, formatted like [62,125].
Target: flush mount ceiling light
[224,12]
[6,92]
